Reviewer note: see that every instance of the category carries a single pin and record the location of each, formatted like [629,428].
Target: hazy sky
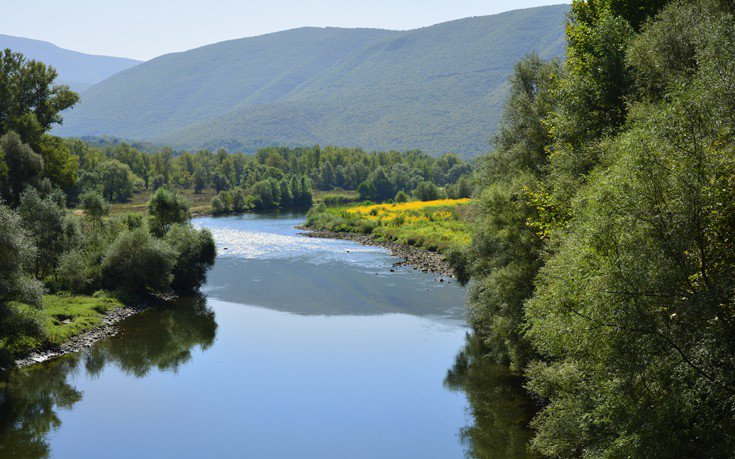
[143,29]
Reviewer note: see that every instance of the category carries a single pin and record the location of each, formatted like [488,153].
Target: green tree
[508,241]
[631,315]
[43,219]
[287,198]
[59,165]
[94,204]
[116,179]
[137,263]
[168,208]
[426,191]
[195,251]
[17,257]
[29,102]
[327,176]
[24,167]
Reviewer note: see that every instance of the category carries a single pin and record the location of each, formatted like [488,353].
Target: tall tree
[29,102]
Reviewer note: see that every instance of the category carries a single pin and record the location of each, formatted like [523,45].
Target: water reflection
[30,398]
[499,409]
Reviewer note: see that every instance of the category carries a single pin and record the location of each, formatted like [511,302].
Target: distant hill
[80,71]
[438,88]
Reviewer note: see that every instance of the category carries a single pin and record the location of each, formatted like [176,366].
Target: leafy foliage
[167,208]
[602,254]
[195,251]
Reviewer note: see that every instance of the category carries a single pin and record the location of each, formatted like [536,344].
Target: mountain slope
[80,71]
[439,88]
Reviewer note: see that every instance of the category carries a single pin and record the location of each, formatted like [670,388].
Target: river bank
[416,257]
[79,342]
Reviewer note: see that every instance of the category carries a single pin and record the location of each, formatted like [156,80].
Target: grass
[432,225]
[61,318]
[69,316]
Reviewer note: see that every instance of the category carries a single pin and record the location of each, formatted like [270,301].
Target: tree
[167,208]
[326,176]
[218,206]
[401,197]
[426,191]
[94,205]
[286,194]
[59,165]
[462,189]
[196,253]
[43,220]
[17,256]
[633,310]
[116,179]
[263,196]
[24,167]
[29,103]
[136,263]
[238,200]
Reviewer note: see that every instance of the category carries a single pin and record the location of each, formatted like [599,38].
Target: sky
[143,29]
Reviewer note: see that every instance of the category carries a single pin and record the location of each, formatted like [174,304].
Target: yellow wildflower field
[434,225]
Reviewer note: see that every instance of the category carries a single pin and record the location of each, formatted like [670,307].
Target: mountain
[438,88]
[80,71]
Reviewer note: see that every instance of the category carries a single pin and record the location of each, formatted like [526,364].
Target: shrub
[167,208]
[94,204]
[137,262]
[218,206]
[426,191]
[75,274]
[401,197]
[195,254]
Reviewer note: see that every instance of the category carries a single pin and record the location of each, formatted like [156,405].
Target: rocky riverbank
[422,259]
[105,330]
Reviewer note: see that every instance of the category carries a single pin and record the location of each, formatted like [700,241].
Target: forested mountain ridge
[78,70]
[438,88]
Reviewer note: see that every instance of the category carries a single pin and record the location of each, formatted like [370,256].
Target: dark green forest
[602,261]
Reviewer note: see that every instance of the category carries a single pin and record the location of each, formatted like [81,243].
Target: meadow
[433,225]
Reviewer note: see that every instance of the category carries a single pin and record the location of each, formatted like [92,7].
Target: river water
[297,347]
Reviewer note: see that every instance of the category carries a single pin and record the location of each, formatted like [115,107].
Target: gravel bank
[419,258]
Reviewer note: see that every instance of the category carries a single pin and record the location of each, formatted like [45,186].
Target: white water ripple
[250,244]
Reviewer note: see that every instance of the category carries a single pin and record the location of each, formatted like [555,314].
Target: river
[297,347]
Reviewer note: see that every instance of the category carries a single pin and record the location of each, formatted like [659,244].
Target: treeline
[44,247]
[272,178]
[603,257]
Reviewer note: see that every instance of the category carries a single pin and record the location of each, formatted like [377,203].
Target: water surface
[297,347]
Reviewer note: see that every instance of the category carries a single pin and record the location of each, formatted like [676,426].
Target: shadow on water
[31,397]
[499,408]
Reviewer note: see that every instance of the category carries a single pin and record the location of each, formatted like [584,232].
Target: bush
[218,206]
[426,191]
[195,254]
[401,197]
[76,274]
[167,208]
[94,204]
[136,262]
